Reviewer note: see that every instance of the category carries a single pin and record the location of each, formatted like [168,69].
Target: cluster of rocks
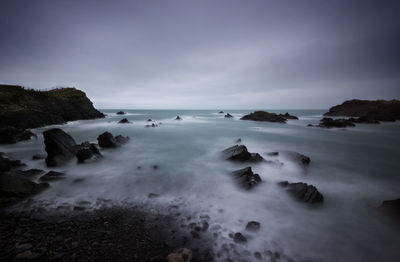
[12,135]
[268,117]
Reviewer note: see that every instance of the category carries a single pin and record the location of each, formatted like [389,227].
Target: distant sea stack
[25,108]
[379,110]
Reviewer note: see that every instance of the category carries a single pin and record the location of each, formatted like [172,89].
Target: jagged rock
[378,110]
[123,121]
[60,146]
[14,186]
[253,226]
[264,116]
[7,164]
[340,123]
[38,156]
[84,154]
[120,113]
[239,238]
[121,139]
[246,178]
[391,206]
[52,176]
[228,115]
[294,156]
[178,118]
[30,172]
[239,140]
[240,153]
[303,192]
[11,135]
[289,116]
[107,140]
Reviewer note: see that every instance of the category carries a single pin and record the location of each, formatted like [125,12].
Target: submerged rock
[253,226]
[228,115]
[246,178]
[15,186]
[178,118]
[294,156]
[152,125]
[303,192]
[264,116]
[60,146]
[107,140]
[122,139]
[123,121]
[11,135]
[289,116]
[7,164]
[221,112]
[52,176]
[38,156]
[240,153]
[340,123]
[120,113]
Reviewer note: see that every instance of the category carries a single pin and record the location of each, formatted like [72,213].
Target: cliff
[24,108]
[380,110]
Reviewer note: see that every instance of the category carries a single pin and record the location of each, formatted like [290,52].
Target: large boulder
[246,178]
[11,135]
[60,146]
[107,140]
[15,186]
[87,151]
[303,192]
[264,116]
[240,153]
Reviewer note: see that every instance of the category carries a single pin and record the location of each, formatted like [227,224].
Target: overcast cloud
[205,54]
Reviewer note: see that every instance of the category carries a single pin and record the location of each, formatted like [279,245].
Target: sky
[220,54]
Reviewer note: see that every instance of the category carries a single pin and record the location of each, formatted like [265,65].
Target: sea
[180,162]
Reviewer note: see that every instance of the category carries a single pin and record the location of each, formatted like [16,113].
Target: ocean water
[354,168]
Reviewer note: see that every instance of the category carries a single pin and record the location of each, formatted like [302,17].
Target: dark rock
[14,187]
[391,206]
[228,115]
[149,120]
[297,157]
[7,164]
[246,178]
[363,120]
[340,123]
[303,192]
[289,116]
[84,154]
[239,140]
[23,108]
[152,195]
[239,238]
[94,150]
[378,110]
[253,226]
[11,135]
[52,176]
[240,153]
[273,153]
[121,139]
[30,172]
[309,125]
[178,118]
[120,113]
[38,156]
[221,112]
[123,121]
[60,146]
[107,140]
[264,116]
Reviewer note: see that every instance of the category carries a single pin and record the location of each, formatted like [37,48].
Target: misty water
[355,169]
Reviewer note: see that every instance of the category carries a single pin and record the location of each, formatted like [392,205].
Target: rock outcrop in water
[378,110]
[11,135]
[245,178]
[60,147]
[228,115]
[120,113]
[107,140]
[264,116]
[7,164]
[289,116]
[123,121]
[298,158]
[240,153]
[22,108]
[339,123]
[303,192]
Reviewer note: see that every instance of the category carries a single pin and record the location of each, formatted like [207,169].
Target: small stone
[239,238]
[253,226]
